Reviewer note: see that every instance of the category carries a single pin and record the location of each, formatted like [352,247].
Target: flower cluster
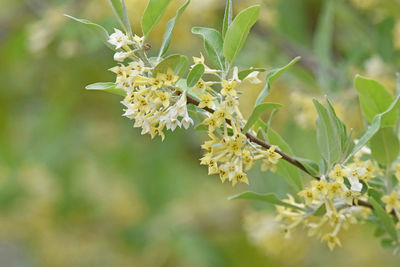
[228,151]
[335,197]
[156,102]
[152,100]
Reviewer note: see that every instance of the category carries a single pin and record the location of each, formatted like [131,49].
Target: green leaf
[271,77]
[374,127]
[379,231]
[227,17]
[324,32]
[348,147]
[177,63]
[108,87]
[377,195]
[384,39]
[323,166]
[257,111]
[320,211]
[323,43]
[120,12]
[328,138]
[244,73]
[97,29]
[339,126]
[388,243]
[385,146]
[270,198]
[285,169]
[181,68]
[195,75]
[152,14]
[310,165]
[385,218]
[237,32]
[212,45]
[198,118]
[375,99]
[169,30]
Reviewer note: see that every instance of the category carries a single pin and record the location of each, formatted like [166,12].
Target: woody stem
[285,156]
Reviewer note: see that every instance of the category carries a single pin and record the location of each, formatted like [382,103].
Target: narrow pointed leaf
[244,73]
[271,77]
[97,29]
[338,124]
[195,75]
[238,31]
[107,87]
[270,198]
[323,43]
[169,30]
[212,45]
[386,220]
[328,137]
[227,17]
[120,12]
[310,165]
[257,111]
[152,14]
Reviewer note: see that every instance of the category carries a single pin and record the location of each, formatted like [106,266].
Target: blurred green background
[80,187]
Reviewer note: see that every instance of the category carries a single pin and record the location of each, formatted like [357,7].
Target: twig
[285,156]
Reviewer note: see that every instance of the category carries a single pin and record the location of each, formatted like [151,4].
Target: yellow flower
[200,86]
[267,165]
[369,167]
[230,104]
[223,174]
[221,114]
[228,88]
[162,98]
[320,186]
[273,156]
[308,194]
[157,82]
[334,189]
[130,98]
[332,240]
[212,167]
[198,60]
[142,104]
[206,101]
[169,78]
[247,159]
[212,123]
[154,131]
[235,146]
[138,39]
[391,201]
[351,196]
[240,177]
[338,173]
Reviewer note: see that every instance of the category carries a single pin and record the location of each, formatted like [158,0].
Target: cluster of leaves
[336,144]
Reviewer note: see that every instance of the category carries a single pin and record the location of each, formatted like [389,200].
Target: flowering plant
[353,181]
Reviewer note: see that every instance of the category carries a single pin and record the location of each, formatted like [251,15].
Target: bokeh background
[80,187]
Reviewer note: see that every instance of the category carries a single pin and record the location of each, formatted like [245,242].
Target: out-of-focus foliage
[80,187]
